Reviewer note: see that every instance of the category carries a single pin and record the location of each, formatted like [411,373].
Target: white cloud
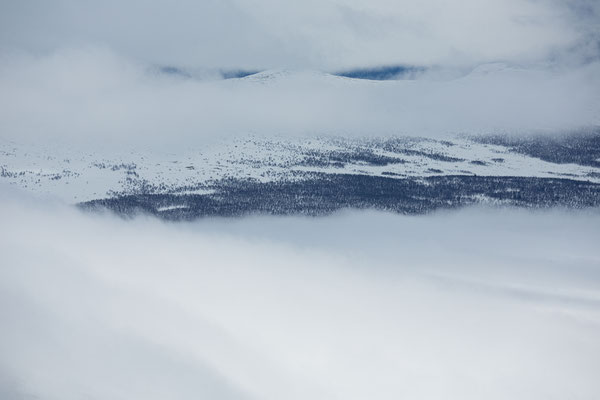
[91,95]
[491,305]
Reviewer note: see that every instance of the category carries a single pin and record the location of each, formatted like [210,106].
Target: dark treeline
[324,194]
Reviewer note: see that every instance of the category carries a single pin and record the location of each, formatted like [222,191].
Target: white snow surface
[73,175]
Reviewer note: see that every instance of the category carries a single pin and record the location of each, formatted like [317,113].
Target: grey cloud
[308,34]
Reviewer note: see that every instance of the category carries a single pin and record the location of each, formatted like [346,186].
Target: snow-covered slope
[75,176]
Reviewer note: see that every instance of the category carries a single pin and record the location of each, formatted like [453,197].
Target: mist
[481,303]
[94,96]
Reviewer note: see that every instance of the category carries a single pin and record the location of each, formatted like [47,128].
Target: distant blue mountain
[237,73]
[382,73]
[225,73]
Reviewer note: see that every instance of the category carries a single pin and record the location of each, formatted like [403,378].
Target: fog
[93,96]
[482,303]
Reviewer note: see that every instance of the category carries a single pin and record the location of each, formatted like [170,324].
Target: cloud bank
[93,95]
[467,305]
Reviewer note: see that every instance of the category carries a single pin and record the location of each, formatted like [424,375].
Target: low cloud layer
[93,95]
[470,305]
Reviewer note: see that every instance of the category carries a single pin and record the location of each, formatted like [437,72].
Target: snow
[74,176]
[173,207]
